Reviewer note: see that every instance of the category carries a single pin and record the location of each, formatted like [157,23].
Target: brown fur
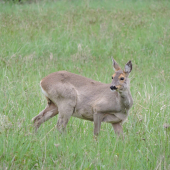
[70,94]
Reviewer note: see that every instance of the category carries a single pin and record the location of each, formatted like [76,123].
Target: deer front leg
[97,118]
[117,128]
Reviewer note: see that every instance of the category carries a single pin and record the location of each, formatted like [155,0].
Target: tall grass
[41,37]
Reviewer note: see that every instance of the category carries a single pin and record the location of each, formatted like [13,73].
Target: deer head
[120,80]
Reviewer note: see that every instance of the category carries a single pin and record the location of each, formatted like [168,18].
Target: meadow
[41,37]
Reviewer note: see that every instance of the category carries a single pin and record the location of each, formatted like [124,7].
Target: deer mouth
[113,88]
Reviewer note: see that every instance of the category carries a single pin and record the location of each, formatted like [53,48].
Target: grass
[41,37]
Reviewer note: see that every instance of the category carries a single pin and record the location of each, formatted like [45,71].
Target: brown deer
[70,94]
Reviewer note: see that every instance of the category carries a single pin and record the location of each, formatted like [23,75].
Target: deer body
[70,94]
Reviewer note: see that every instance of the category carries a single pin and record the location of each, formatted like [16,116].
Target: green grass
[41,37]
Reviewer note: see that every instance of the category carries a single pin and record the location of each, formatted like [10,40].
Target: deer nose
[113,87]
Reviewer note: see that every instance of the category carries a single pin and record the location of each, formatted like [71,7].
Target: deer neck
[126,98]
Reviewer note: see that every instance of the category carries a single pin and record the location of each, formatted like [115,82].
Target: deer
[70,94]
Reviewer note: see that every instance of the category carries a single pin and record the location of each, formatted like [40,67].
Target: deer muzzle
[113,88]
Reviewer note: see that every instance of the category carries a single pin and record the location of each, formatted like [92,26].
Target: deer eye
[122,78]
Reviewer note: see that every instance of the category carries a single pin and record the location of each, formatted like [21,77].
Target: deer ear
[115,65]
[128,68]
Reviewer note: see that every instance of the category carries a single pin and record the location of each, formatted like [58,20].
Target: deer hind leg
[50,111]
[65,112]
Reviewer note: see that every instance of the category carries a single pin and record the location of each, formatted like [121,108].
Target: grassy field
[41,37]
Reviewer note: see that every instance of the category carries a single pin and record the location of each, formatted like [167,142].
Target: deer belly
[83,114]
[110,118]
